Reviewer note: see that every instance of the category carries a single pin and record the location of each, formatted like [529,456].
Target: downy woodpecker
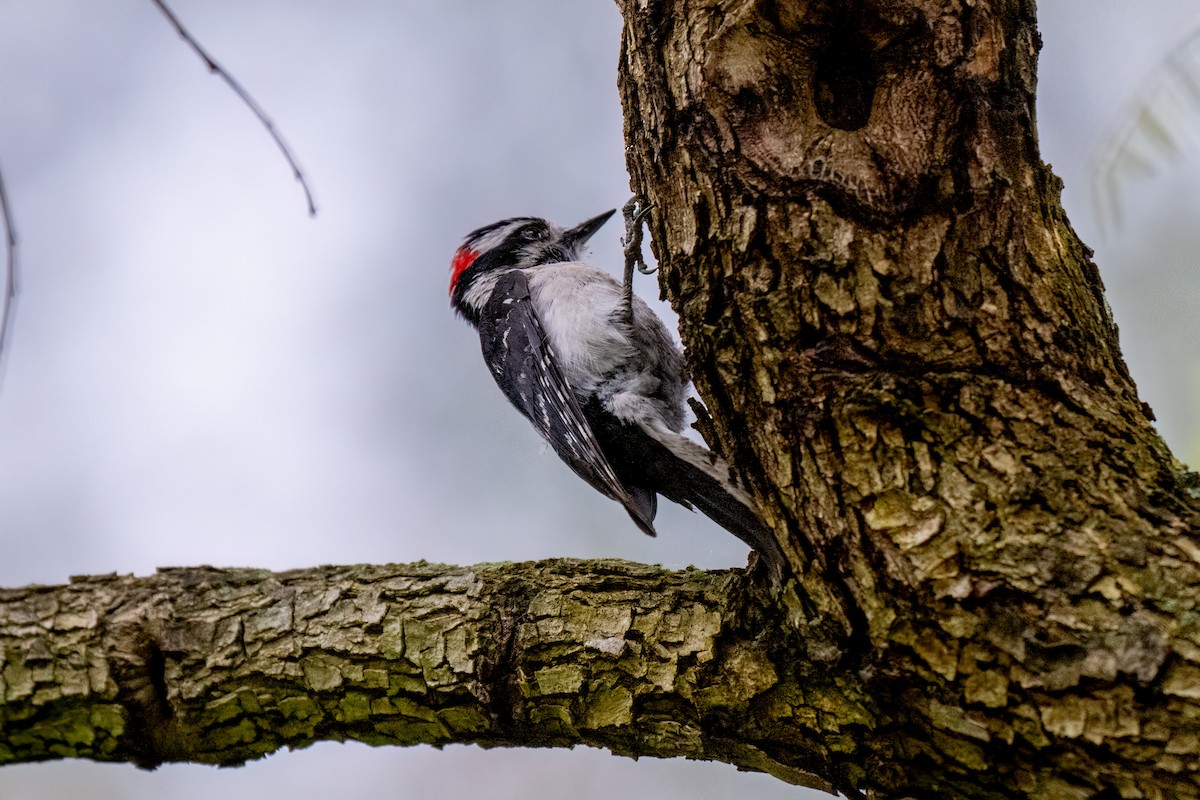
[595,371]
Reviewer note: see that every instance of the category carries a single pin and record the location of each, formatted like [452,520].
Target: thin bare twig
[237,88]
[7,303]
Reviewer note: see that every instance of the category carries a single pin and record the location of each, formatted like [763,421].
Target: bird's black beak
[575,237]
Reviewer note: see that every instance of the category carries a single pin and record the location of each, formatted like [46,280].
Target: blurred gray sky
[200,374]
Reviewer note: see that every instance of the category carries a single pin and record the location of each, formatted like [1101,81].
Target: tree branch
[250,102]
[221,666]
[9,297]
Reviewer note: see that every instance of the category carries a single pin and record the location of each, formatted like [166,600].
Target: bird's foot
[634,213]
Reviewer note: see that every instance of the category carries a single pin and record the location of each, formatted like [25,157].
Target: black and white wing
[520,358]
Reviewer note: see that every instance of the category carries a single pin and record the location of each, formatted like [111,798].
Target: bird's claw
[634,212]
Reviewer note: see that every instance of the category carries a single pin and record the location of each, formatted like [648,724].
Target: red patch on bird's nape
[463,258]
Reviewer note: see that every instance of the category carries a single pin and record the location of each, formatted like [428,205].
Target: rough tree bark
[906,352]
[221,666]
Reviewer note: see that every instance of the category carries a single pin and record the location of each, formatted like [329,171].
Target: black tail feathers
[692,485]
[667,463]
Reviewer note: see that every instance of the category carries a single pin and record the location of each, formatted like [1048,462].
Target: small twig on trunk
[237,88]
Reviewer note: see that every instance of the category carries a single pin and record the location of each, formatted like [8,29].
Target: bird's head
[515,243]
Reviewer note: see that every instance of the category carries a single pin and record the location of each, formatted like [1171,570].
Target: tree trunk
[907,355]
